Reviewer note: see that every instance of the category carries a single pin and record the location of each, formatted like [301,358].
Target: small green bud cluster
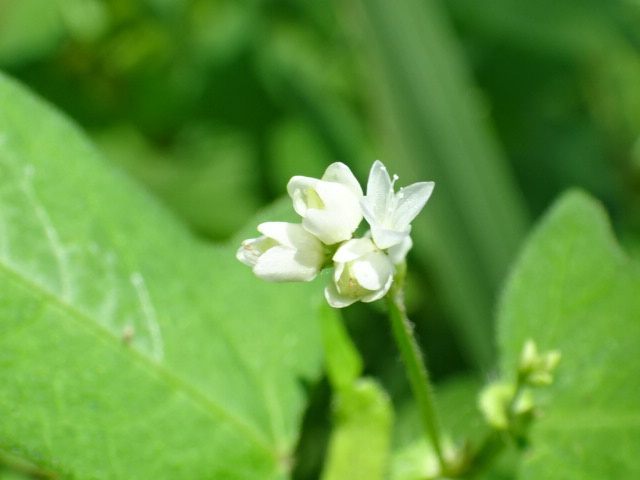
[510,405]
[535,368]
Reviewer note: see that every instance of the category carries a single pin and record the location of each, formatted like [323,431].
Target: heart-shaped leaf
[574,290]
[129,349]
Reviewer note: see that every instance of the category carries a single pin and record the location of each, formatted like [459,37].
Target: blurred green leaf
[309,75]
[296,149]
[561,29]
[218,30]
[85,20]
[28,29]
[127,348]
[343,362]
[436,128]
[362,414]
[575,291]
[361,411]
[359,447]
[206,177]
[561,78]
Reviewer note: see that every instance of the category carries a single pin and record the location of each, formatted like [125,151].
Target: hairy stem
[416,370]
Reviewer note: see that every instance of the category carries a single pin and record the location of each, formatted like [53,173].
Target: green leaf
[288,139]
[29,29]
[362,414]
[128,349]
[343,362]
[200,169]
[580,27]
[359,447]
[574,290]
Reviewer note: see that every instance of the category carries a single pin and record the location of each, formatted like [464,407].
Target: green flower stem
[495,441]
[479,461]
[22,467]
[416,370]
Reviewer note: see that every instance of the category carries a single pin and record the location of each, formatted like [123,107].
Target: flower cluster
[332,208]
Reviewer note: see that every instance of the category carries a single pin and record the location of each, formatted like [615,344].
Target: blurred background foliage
[212,105]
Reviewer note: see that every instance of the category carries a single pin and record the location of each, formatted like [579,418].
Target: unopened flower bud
[362,272]
[330,206]
[496,403]
[536,368]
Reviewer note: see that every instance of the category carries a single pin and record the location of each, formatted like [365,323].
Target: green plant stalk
[416,370]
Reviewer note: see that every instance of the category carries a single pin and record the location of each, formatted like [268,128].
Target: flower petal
[324,225]
[372,297]
[386,238]
[368,207]
[378,199]
[411,199]
[373,271]
[398,252]
[289,234]
[285,264]
[249,252]
[338,172]
[298,189]
[353,249]
[335,298]
[340,216]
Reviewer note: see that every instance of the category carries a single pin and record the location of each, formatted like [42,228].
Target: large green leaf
[574,290]
[128,349]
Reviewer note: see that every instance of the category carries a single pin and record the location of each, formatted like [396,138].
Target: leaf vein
[50,233]
[197,397]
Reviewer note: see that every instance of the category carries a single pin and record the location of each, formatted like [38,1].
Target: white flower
[362,272]
[285,252]
[330,207]
[389,213]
